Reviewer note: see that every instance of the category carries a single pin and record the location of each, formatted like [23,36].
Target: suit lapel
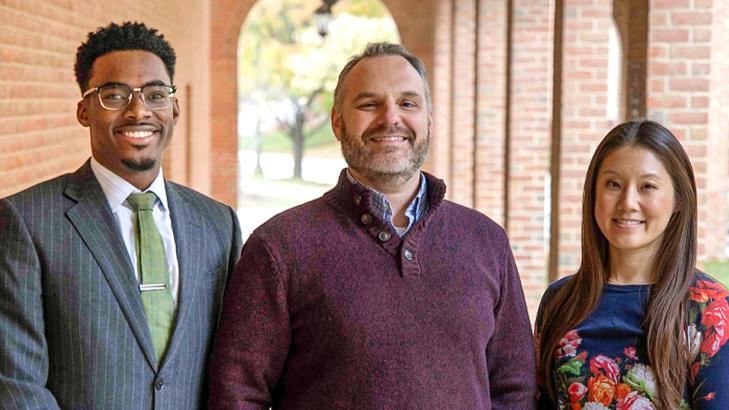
[189,241]
[95,223]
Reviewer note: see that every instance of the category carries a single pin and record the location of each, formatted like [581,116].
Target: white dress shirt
[117,189]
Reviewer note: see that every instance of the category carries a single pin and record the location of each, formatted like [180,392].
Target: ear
[82,114]
[336,120]
[430,122]
[175,111]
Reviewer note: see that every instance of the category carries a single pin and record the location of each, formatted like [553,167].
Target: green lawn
[718,268]
[280,142]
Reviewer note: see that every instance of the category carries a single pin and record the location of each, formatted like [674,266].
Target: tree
[284,62]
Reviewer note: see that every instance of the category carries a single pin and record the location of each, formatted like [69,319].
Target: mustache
[384,130]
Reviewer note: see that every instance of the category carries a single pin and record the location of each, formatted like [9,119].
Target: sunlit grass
[719,269]
[279,142]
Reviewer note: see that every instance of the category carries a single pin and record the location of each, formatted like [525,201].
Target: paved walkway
[260,198]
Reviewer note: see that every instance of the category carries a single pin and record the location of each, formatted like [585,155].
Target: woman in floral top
[637,327]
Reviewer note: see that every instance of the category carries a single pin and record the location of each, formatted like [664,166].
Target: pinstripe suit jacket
[73,332]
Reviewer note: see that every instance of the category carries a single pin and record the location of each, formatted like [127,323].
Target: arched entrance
[227,17]
[287,71]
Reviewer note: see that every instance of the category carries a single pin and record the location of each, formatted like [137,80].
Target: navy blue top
[603,362]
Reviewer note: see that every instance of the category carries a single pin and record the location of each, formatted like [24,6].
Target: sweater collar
[356,200]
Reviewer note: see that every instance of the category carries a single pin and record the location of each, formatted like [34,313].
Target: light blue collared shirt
[415,210]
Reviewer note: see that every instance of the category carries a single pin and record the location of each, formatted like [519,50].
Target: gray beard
[359,158]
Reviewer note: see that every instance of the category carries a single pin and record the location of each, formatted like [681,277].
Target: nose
[629,199]
[137,108]
[390,115]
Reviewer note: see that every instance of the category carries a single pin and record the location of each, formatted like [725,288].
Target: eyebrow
[113,83]
[648,175]
[411,94]
[369,94]
[364,94]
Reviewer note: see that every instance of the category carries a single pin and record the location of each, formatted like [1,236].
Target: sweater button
[159,383]
[357,199]
[383,236]
[407,254]
[366,219]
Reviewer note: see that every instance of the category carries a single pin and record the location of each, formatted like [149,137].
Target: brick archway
[227,17]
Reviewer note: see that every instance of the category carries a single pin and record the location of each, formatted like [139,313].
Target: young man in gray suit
[111,278]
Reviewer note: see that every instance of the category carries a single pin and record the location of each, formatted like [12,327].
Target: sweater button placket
[407,254]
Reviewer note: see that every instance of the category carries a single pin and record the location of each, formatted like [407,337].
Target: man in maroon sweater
[380,294]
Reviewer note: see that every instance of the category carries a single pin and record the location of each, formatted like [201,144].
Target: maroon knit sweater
[330,308]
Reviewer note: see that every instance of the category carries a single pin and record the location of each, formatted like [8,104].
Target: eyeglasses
[119,96]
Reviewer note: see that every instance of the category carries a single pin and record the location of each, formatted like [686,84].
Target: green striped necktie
[154,277]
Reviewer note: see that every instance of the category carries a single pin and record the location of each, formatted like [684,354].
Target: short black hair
[115,37]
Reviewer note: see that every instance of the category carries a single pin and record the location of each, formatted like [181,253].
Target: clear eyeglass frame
[112,96]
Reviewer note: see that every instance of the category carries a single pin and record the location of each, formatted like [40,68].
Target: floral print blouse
[603,362]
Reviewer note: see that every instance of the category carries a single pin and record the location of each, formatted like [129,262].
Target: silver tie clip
[152,286]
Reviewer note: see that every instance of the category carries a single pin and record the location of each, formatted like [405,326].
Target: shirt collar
[379,200]
[117,189]
[415,209]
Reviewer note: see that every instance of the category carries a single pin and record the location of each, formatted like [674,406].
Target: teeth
[379,139]
[137,134]
[628,221]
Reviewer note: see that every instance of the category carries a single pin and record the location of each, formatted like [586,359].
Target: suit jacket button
[366,219]
[159,384]
[383,236]
[407,254]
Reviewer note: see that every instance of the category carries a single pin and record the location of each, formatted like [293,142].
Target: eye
[114,96]
[367,105]
[610,184]
[409,104]
[156,96]
[649,186]
[113,93]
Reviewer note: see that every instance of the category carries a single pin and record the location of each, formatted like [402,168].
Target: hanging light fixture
[322,17]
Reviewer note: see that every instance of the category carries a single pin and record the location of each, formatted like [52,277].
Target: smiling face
[130,141]
[383,121]
[634,200]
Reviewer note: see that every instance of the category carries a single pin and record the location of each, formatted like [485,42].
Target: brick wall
[39,135]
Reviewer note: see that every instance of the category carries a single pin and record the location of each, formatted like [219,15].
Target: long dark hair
[673,267]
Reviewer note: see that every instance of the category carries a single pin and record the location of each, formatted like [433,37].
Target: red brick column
[462,102]
[438,161]
[717,169]
[679,79]
[227,19]
[492,94]
[530,144]
[584,115]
